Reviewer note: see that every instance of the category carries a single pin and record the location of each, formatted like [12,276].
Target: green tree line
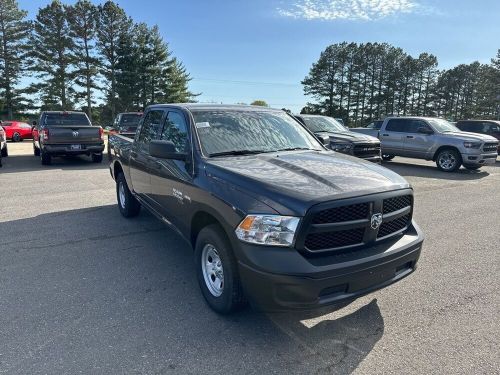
[363,82]
[87,57]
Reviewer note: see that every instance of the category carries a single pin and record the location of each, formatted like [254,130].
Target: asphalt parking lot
[84,290]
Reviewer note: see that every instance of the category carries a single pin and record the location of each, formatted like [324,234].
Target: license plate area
[75,147]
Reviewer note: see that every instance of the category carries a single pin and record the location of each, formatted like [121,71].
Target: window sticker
[201,125]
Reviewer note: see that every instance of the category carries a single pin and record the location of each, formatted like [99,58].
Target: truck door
[419,139]
[391,136]
[140,161]
[172,179]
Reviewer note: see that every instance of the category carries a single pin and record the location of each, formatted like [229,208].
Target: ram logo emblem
[376,221]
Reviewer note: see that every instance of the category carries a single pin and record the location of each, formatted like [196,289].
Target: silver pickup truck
[433,139]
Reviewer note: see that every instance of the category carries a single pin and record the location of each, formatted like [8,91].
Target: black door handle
[409,136]
[385,135]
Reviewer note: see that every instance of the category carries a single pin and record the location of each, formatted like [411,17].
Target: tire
[45,158]
[217,271]
[97,158]
[472,167]
[387,157]
[16,137]
[5,152]
[36,150]
[129,206]
[448,160]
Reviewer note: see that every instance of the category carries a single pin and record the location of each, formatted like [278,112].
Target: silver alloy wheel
[213,272]
[121,194]
[447,160]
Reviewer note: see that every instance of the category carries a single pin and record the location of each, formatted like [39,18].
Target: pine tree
[82,18]
[53,57]
[175,87]
[113,25]
[14,32]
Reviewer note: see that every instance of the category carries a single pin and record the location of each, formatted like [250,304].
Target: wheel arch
[200,220]
[446,147]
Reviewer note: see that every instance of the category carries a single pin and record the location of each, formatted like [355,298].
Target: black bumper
[316,282]
[65,149]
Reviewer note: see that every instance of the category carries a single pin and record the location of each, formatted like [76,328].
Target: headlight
[341,147]
[469,144]
[271,230]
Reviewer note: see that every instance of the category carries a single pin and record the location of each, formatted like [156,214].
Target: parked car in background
[375,124]
[437,140]
[3,145]
[488,127]
[66,133]
[126,123]
[337,137]
[273,216]
[17,131]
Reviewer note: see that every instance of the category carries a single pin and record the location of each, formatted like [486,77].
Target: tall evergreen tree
[14,32]
[53,57]
[113,25]
[175,87]
[82,18]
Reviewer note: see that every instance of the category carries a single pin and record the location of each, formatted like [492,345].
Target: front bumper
[277,279]
[66,149]
[480,159]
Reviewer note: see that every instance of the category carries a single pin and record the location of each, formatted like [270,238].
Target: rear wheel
[217,271]
[45,158]
[16,137]
[387,157]
[448,160]
[5,153]
[97,158]
[36,150]
[129,206]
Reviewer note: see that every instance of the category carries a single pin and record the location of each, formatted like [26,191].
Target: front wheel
[129,206]
[448,160]
[16,137]
[45,158]
[217,271]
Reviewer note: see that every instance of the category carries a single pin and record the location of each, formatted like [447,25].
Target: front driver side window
[150,128]
[175,130]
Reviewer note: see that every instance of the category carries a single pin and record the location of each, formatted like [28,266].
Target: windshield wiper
[296,148]
[237,152]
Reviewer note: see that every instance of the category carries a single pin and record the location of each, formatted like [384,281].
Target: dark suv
[488,127]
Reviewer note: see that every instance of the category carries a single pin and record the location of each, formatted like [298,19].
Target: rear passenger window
[397,125]
[175,130]
[150,129]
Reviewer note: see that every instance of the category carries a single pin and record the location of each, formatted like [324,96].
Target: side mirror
[34,123]
[424,130]
[165,150]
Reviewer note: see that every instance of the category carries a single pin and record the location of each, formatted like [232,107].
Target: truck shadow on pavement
[431,171]
[97,292]
[28,163]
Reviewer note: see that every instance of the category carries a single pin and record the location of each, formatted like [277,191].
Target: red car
[16,131]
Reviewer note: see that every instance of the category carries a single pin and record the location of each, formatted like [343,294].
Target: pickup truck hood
[348,136]
[291,182]
[467,136]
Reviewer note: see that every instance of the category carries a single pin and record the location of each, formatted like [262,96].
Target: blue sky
[238,51]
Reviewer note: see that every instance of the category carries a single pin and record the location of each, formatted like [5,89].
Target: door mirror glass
[165,150]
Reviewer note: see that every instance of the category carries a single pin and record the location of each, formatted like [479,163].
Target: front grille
[345,213]
[396,203]
[490,147]
[352,223]
[393,226]
[328,240]
[366,150]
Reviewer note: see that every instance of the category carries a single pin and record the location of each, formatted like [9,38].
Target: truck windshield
[226,132]
[323,124]
[130,120]
[76,119]
[442,126]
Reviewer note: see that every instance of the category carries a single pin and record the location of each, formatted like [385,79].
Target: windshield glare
[222,131]
[442,126]
[323,124]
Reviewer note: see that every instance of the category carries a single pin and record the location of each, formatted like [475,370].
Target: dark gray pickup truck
[66,133]
[273,216]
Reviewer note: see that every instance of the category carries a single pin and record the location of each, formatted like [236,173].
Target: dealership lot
[85,290]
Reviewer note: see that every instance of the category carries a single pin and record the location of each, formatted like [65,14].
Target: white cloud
[348,9]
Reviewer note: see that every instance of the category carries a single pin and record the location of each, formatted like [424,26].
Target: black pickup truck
[273,216]
[66,133]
